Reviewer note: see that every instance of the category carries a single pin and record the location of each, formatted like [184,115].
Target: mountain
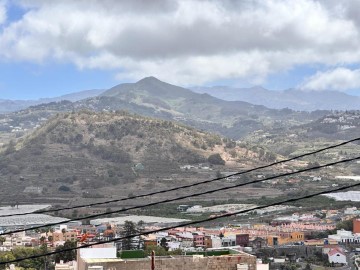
[154,98]
[111,153]
[325,131]
[7,106]
[292,98]
[231,118]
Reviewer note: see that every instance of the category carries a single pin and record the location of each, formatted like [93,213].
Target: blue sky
[33,81]
[305,44]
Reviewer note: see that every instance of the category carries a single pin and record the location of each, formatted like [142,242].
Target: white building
[216,242]
[336,255]
[343,236]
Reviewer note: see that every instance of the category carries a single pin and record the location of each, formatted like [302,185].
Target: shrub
[216,159]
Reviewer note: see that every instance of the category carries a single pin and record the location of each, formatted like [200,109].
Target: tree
[107,211]
[64,189]
[219,174]
[216,159]
[37,263]
[42,239]
[129,229]
[164,244]
[50,238]
[10,148]
[4,257]
[66,256]
[141,223]
[2,239]
[313,164]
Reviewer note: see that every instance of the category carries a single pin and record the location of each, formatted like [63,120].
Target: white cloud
[2,11]
[339,79]
[186,42]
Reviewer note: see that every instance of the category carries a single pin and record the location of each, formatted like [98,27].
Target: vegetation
[21,252]
[128,230]
[216,159]
[64,255]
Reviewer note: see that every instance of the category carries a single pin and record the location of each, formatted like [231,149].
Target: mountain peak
[149,79]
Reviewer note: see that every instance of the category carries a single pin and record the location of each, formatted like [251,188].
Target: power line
[183,197]
[186,224]
[184,186]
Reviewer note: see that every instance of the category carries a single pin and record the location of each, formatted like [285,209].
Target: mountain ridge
[291,98]
[8,105]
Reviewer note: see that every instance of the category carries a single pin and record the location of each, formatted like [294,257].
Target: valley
[126,142]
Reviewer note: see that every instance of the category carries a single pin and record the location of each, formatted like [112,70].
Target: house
[59,236]
[242,240]
[228,241]
[258,242]
[212,241]
[336,255]
[199,239]
[285,238]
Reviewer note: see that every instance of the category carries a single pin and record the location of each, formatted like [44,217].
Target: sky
[51,48]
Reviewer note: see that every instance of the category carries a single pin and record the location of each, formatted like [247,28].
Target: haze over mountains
[7,105]
[294,99]
[154,98]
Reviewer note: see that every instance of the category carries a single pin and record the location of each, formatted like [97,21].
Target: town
[311,240]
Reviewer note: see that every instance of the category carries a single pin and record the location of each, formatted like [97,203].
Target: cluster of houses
[290,232]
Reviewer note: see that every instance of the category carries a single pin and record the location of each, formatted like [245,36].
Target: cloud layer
[339,79]
[187,42]
[2,12]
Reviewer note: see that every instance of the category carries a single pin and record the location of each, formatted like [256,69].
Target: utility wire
[182,197]
[184,186]
[186,224]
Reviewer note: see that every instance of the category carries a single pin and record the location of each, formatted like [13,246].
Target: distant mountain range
[154,98]
[7,105]
[292,98]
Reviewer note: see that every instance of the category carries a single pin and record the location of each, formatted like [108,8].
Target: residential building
[284,238]
[337,255]
[356,225]
[242,240]
[199,239]
[343,236]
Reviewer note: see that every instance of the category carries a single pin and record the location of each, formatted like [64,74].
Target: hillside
[186,105]
[327,130]
[104,154]
[292,98]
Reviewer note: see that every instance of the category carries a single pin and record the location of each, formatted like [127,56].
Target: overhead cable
[185,224]
[181,197]
[185,186]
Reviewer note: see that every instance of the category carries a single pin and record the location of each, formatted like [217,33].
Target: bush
[64,189]
[216,159]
